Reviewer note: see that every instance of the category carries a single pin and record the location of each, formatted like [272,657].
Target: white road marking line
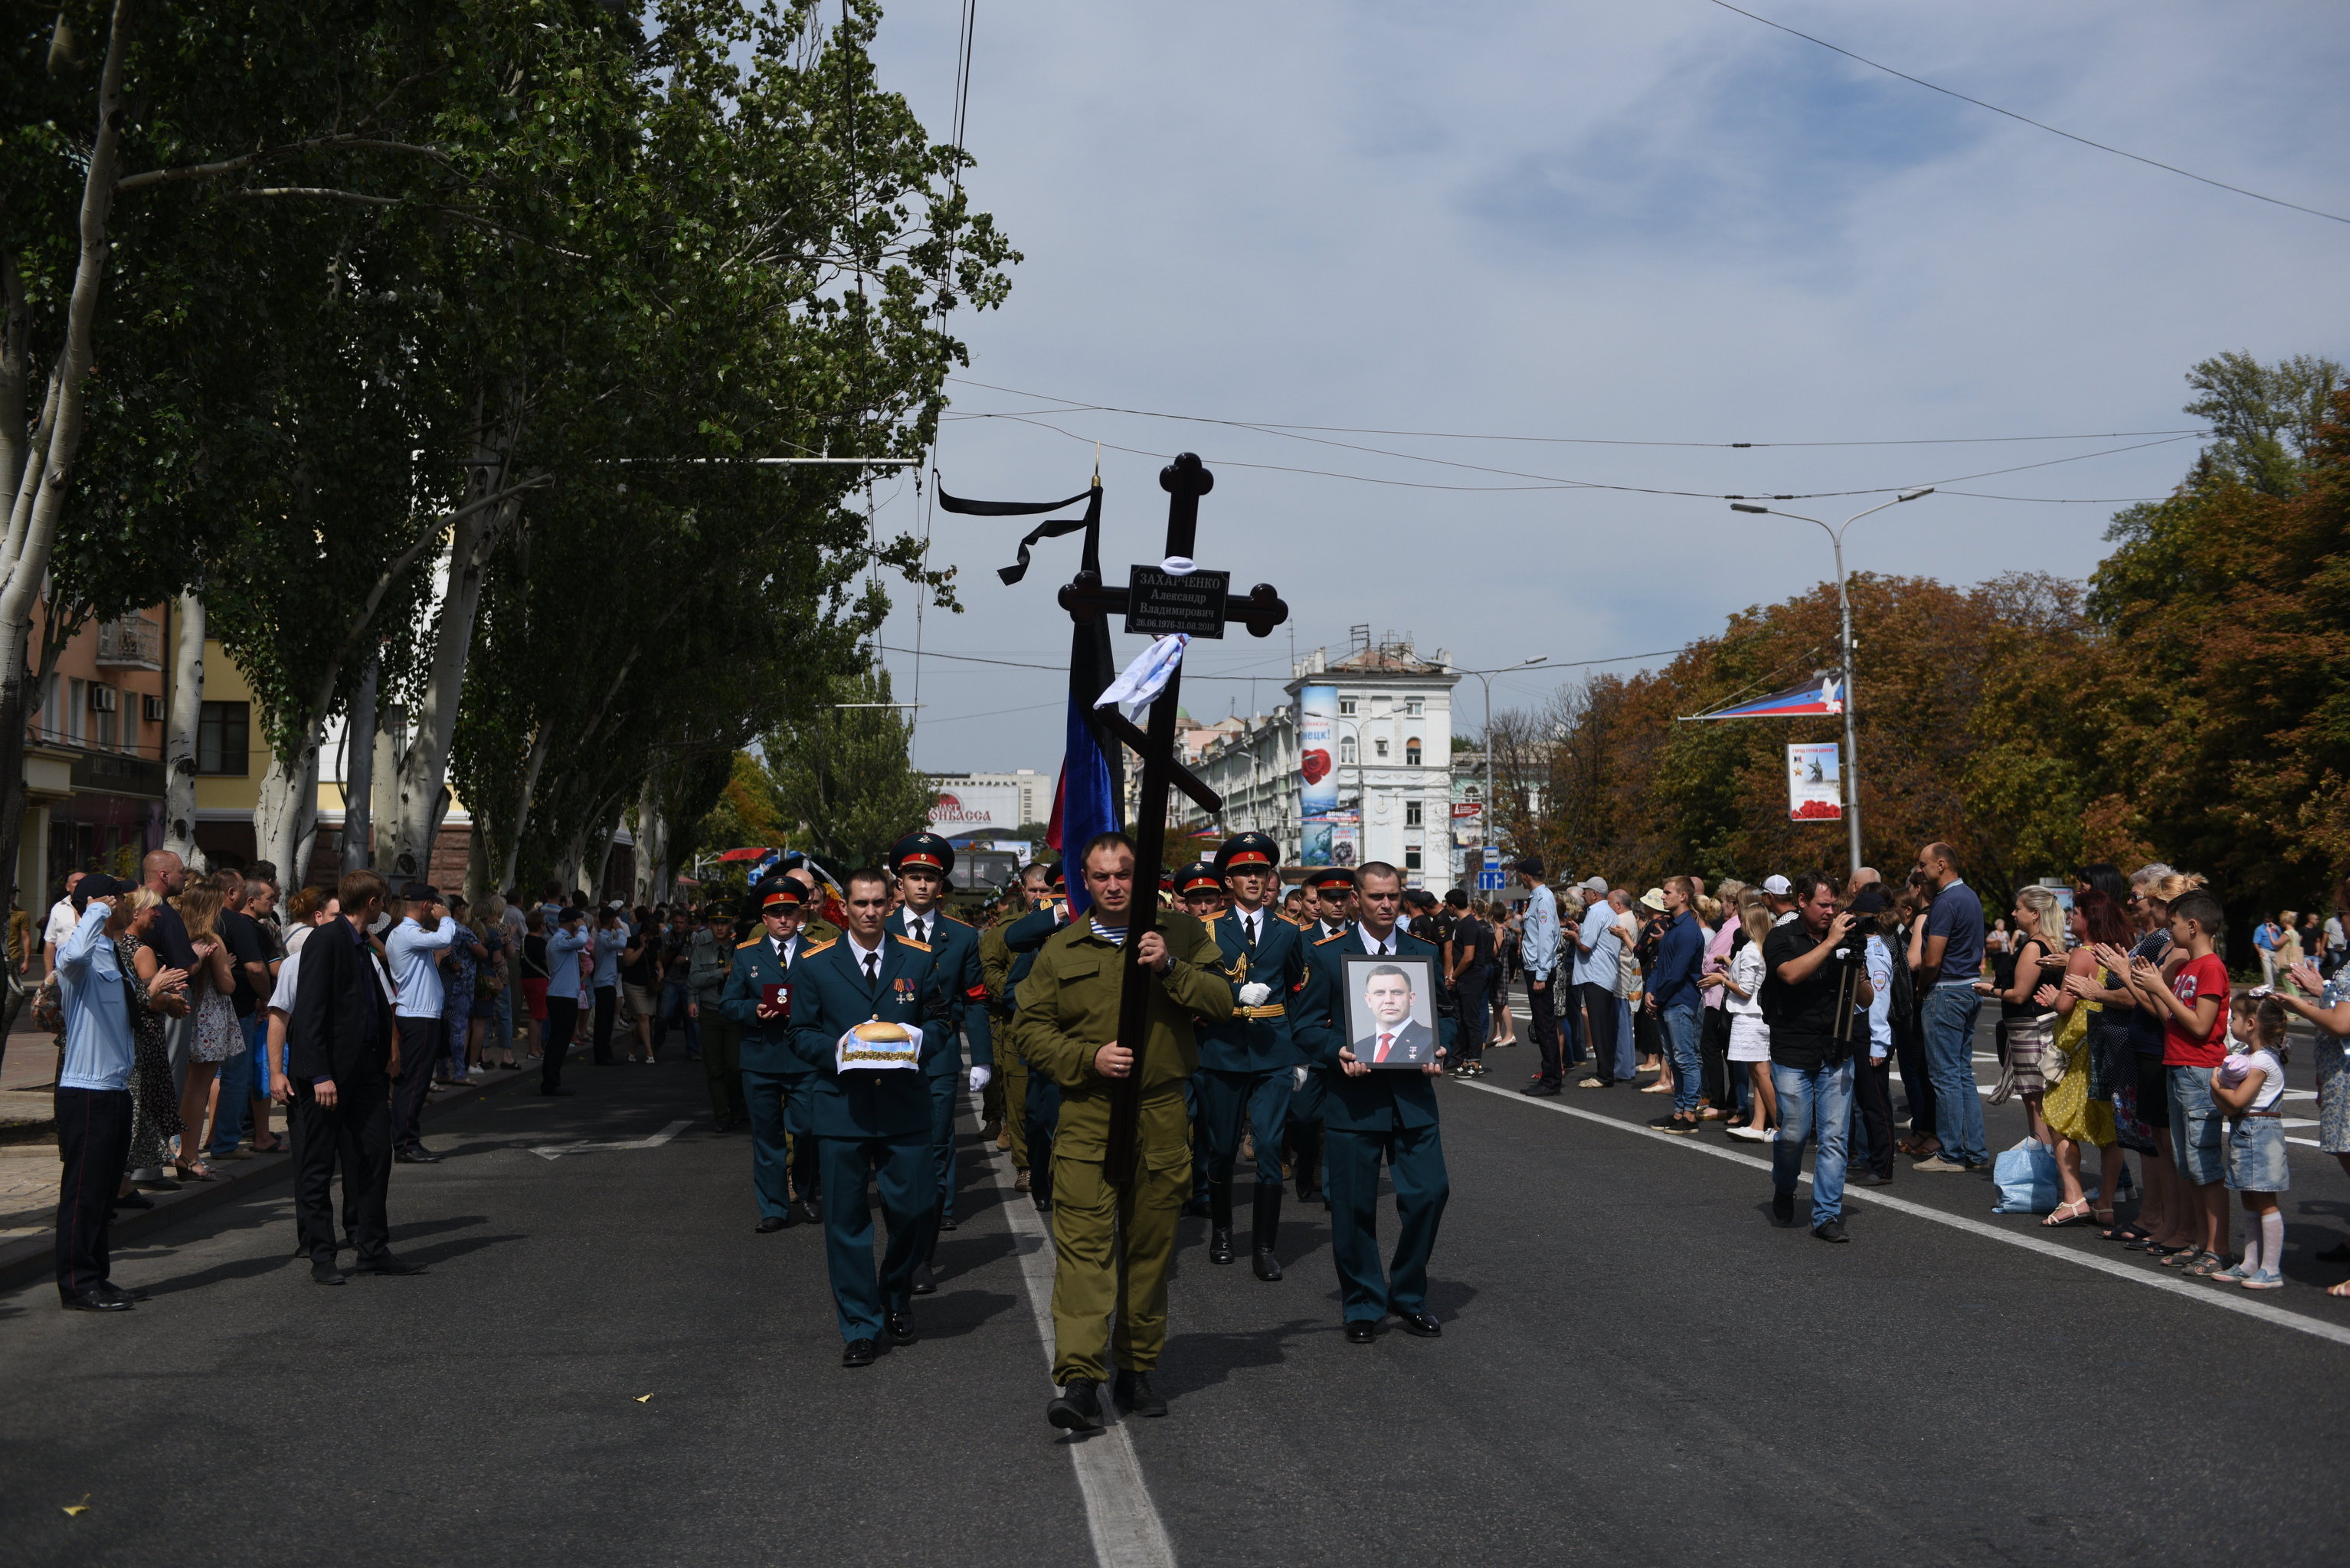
[558,1150]
[1127,1529]
[2231,1299]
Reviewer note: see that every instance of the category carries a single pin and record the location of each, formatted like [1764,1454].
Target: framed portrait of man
[1391,1010]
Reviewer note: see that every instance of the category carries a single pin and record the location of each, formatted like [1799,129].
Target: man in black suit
[1396,1038]
[342,1050]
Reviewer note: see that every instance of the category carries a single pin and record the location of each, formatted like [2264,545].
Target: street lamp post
[1484,679]
[1844,605]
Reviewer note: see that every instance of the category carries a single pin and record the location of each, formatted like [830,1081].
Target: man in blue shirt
[414,946]
[1539,946]
[611,940]
[93,1099]
[1954,953]
[1597,944]
[565,940]
[1673,998]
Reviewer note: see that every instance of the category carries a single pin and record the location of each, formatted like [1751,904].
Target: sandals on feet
[2205,1265]
[2125,1234]
[2075,1213]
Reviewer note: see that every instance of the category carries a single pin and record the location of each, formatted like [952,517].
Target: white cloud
[1660,221]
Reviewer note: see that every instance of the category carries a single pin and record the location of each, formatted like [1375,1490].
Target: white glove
[1254,993]
[980,1078]
[1297,1078]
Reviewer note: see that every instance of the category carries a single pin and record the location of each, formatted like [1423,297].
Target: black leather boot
[1220,1223]
[1266,1229]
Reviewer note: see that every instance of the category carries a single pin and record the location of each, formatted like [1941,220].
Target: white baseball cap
[1778,886]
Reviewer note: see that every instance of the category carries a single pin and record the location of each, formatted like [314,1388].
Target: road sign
[1493,856]
[1491,881]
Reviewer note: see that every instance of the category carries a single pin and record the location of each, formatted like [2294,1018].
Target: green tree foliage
[844,779]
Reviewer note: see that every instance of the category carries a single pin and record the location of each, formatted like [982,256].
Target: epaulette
[1333,937]
[907,942]
[950,919]
[820,947]
[754,942]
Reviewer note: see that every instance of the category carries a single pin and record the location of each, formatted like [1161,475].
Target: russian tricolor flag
[1823,696]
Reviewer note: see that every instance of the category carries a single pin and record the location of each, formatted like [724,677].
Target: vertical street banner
[1318,751]
[1814,782]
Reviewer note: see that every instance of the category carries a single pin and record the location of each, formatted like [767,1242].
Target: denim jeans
[2199,1132]
[1950,1013]
[239,1080]
[671,1014]
[1679,1022]
[1815,1103]
[1627,1050]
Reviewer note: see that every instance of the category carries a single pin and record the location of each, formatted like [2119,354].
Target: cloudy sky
[1598,225]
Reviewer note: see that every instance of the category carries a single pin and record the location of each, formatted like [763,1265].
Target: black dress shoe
[898,1326]
[96,1301]
[1871,1178]
[567,1093]
[1420,1324]
[809,1210]
[1539,1087]
[1135,1396]
[323,1273]
[1076,1409]
[858,1353]
[130,1293]
[420,1154]
[1268,1267]
[387,1264]
[1043,1205]
[1831,1229]
[949,1222]
[925,1282]
[1220,1247]
[1195,1208]
[1361,1331]
[770,1223]
[1782,1207]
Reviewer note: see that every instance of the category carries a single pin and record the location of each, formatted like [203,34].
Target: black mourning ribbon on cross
[1051,530]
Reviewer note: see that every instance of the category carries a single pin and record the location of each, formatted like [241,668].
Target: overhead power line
[1071,405]
[2027,119]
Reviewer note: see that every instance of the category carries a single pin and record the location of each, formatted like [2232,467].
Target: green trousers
[1013,1074]
[1112,1246]
[721,1063]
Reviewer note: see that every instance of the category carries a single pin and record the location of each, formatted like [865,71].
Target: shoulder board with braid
[907,942]
[754,942]
[950,919]
[1333,937]
[820,947]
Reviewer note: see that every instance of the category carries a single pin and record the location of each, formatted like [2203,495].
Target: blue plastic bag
[2026,1178]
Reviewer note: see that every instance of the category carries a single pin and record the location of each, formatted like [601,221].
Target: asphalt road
[1636,1368]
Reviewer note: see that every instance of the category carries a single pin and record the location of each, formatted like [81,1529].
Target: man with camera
[1815,997]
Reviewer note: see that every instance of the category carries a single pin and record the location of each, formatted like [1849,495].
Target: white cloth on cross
[1148,676]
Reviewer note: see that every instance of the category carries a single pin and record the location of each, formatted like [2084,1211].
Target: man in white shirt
[414,946]
[63,919]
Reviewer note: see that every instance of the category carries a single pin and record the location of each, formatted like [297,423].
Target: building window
[1346,748]
[1412,859]
[222,739]
[1411,814]
[1411,750]
[1414,707]
[1345,704]
[1381,743]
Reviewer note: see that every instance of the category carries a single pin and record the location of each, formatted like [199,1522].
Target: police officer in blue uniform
[1333,888]
[872,1125]
[921,862]
[1248,1062]
[1199,893]
[1026,938]
[1373,1113]
[776,1080]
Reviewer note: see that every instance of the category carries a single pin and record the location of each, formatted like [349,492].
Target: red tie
[1385,1040]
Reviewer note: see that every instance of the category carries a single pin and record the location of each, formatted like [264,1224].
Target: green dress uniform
[1040,1100]
[872,1127]
[953,948]
[1248,1065]
[1113,1242]
[776,1078]
[712,961]
[1010,1089]
[1389,1113]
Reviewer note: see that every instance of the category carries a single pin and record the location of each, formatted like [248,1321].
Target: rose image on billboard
[1316,765]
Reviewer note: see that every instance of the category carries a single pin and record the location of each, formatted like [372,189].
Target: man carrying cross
[1112,1240]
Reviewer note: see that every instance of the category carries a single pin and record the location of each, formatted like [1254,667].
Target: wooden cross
[1158,602]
